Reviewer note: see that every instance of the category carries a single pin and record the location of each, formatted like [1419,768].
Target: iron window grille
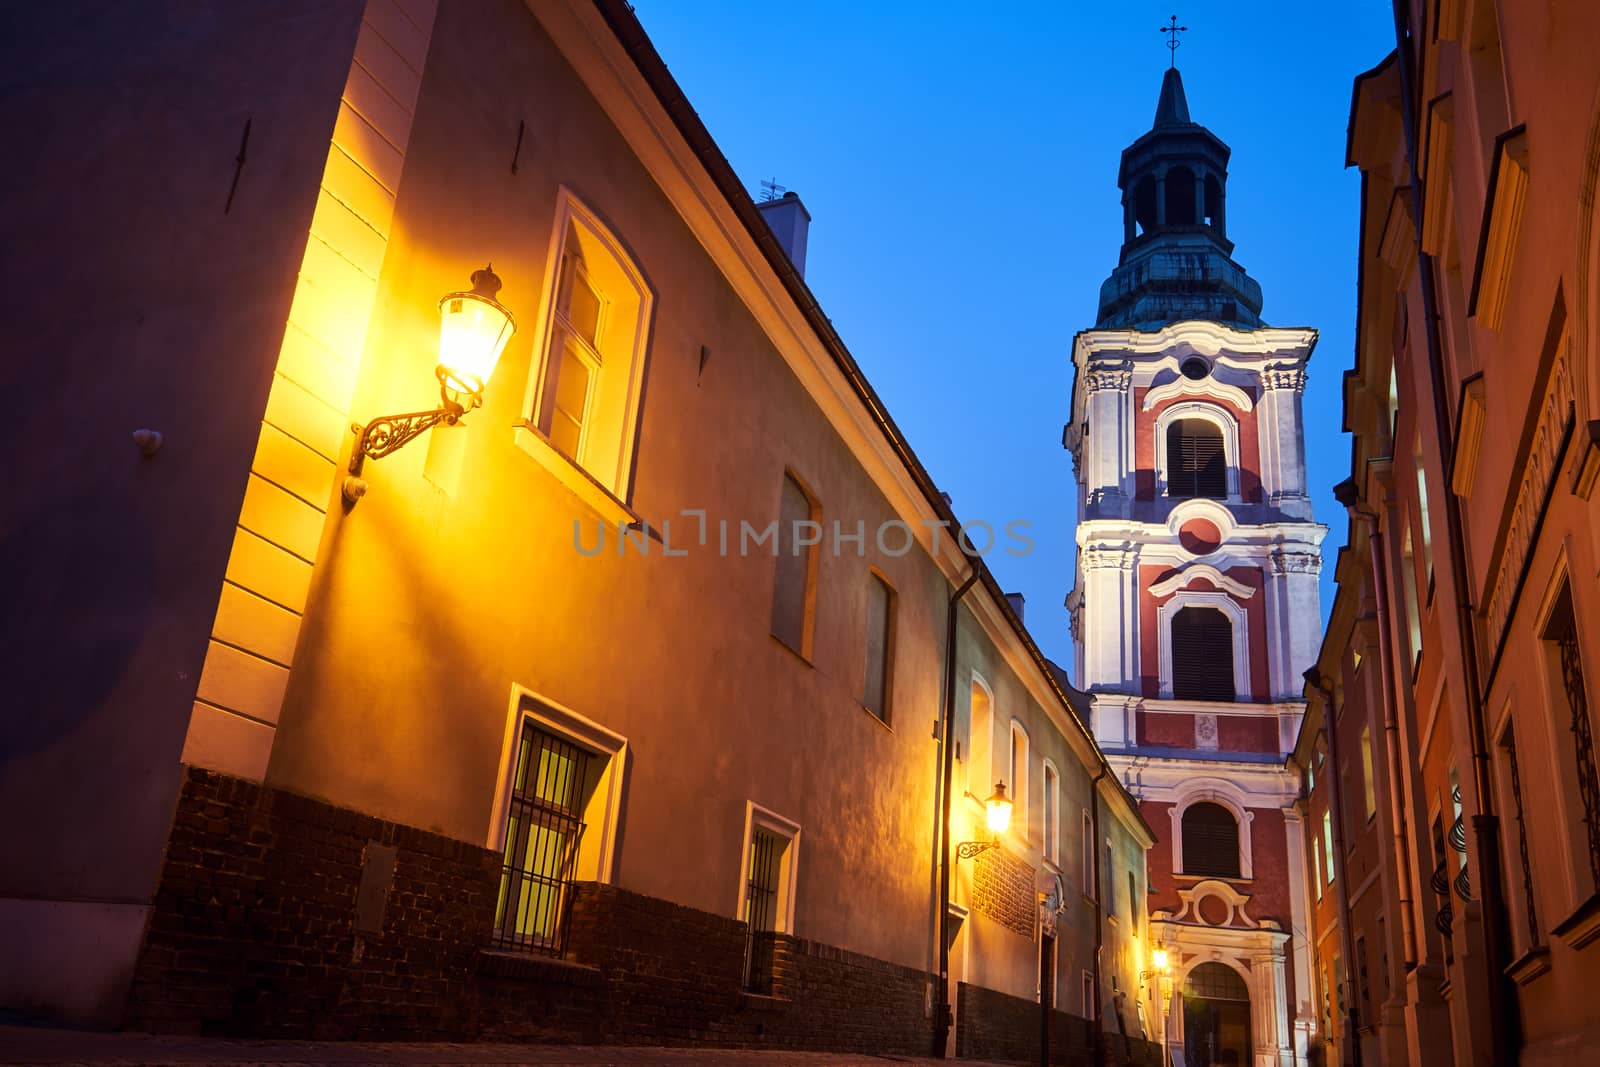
[1215,981]
[1522,838]
[761,910]
[1197,465]
[543,831]
[1565,637]
[1210,841]
[1202,655]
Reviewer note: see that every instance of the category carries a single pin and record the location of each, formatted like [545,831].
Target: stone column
[1107,463]
[1110,626]
[1279,420]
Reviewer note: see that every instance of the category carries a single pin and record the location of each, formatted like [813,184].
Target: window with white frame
[1197,452]
[1088,994]
[766,891]
[589,373]
[1019,780]
[1050,810]
[556,808]
[980,760]
[1369,791]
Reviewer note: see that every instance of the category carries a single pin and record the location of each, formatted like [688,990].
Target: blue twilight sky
[960,164]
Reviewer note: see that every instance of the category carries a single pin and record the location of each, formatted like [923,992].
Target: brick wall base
[263,926]
[997,1026]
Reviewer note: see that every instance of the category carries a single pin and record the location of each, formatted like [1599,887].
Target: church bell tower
[1195,607]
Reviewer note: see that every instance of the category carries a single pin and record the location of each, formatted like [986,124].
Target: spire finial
[1172,30]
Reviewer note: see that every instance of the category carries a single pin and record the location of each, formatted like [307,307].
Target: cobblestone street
[32,1045]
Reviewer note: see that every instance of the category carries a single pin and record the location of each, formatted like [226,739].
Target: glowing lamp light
[998,810]
[1159,959]
[473,330]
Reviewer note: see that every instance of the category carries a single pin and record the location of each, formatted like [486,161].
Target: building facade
[614,707]
[1196,603]
[1463,646]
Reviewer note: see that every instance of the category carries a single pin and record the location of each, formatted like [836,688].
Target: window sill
[1530,965]
[1583,925]
[801,656]
[869,713]
[582,484]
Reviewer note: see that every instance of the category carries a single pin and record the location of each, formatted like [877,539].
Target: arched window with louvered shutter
[1210,841]
[1202,655]
[1197,463]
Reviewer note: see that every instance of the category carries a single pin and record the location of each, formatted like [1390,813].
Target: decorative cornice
[1207,338]
[1288,378]
[1295,563]
[1102,379]
[1109,557]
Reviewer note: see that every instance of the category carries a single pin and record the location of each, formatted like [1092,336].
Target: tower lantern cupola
[1176,257]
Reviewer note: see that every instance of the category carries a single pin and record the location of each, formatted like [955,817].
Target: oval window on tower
[1196,368]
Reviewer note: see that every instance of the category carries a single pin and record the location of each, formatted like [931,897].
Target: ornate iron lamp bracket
[390,433]
[968,849]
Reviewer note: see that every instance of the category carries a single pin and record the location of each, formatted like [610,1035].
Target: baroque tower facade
[1195,607]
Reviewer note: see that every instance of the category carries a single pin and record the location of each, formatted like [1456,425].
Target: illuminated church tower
[1195,608]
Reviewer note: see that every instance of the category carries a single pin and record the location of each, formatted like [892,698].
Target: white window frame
[985,783]
[1087,859]
[1237,614]
[1020,825]
[1050,814]
[1219,417]
[756,818]
[1088,994]
[570,212]
[1226,795]
[603,814]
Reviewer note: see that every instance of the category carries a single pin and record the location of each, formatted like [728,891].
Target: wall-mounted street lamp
[1159,964]
[997,813]
[473,330]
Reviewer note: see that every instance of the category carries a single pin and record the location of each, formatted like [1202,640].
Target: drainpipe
[941,1025]
[1485,824]
[1346,492]
[1098,1022]
[1342,879]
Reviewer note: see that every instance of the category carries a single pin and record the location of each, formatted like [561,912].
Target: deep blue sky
[960,167]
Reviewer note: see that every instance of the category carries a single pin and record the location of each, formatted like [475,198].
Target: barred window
[1215,981]
[1210,841]
[761,909]
[1578,771]
[543,829]
[1202,655]
[1197,464]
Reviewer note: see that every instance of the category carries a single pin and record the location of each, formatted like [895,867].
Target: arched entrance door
[1216,1017]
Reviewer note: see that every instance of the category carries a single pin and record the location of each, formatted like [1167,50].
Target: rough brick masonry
[995,1026]
[254,933]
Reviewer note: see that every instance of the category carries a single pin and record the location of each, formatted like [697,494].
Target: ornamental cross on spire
[1172,30]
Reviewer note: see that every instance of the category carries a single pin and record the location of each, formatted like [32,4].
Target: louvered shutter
[1197,465]
[1210,841]
[1202,655]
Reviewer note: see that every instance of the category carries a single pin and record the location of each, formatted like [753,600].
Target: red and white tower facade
[1196,606]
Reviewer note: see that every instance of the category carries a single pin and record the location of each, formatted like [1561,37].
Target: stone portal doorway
[1216,1017]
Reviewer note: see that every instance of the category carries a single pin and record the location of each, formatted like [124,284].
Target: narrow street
[38,1045]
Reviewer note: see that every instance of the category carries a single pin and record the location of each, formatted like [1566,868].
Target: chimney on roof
[1016,601]
[788,220]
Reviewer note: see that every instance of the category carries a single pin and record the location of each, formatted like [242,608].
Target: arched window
[1214,203]
[1180,196]
[1144,204]
[1215,981]
[1202,655]
[1197,463]
[1210,841]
